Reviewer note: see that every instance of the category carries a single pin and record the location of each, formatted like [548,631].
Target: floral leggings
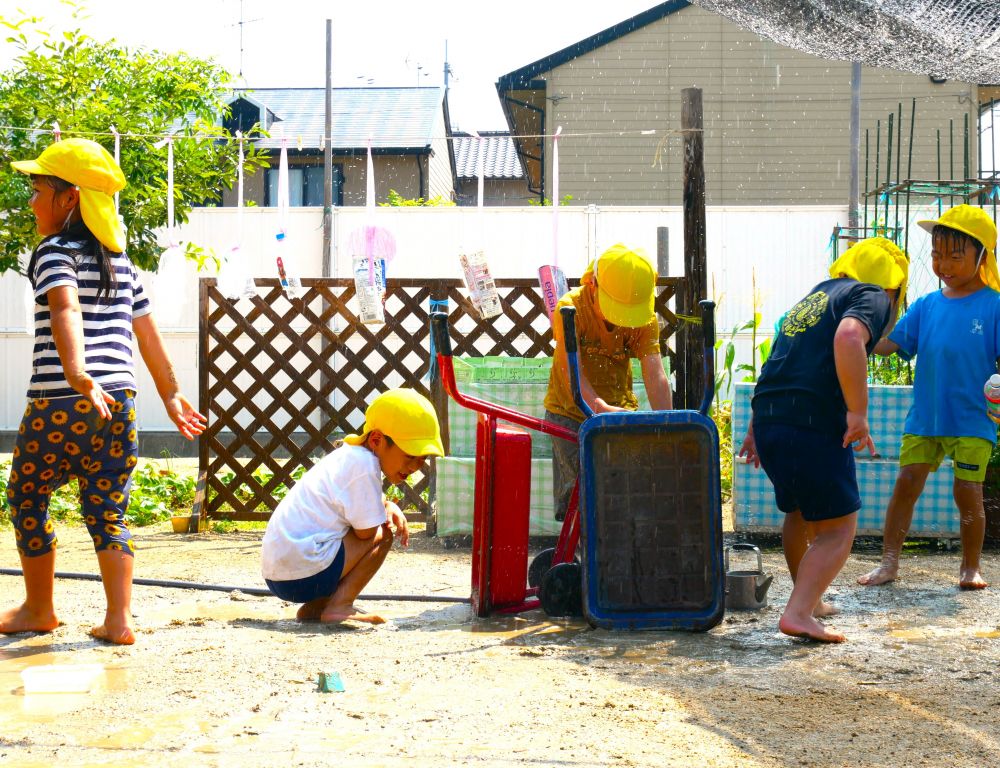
[62,438]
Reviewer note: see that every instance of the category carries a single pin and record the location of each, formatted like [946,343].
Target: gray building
[777,121]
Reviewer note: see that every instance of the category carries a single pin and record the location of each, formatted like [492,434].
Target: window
[305,185]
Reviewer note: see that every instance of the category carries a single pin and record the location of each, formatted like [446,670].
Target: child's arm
[749,447]
[561,361]
[189,422]
[851,361]
[66,318]
[657,384]
[885,347]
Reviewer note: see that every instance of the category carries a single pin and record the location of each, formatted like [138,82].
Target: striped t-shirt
[107,325]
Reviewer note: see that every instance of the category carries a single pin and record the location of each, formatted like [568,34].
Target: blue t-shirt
[957,342]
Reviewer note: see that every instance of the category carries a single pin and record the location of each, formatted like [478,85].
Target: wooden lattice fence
[281,379]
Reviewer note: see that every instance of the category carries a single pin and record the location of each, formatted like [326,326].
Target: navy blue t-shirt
[798,384]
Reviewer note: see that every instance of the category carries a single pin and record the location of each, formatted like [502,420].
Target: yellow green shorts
[970,454]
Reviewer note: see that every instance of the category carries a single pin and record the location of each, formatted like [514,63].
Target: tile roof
[395,118]
[500,160]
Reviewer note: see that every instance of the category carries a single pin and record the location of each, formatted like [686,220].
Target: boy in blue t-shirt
[955,332]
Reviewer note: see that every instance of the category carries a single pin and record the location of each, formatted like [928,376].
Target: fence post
[690,376]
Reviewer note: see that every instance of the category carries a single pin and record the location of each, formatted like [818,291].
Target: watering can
[746,589]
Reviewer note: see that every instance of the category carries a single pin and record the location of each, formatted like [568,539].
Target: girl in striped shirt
[80,415]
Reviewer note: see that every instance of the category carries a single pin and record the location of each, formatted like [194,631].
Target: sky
[376,42]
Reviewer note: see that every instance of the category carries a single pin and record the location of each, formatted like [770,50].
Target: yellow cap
[977,224]
[626,285]
[90,167]
[874,260]
[408,418]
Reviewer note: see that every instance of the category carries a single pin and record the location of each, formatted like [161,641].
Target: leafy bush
[155,495]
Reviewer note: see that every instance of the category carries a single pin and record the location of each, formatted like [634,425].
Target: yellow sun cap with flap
[408,418]
[874,260]
[91,168]
[977,224]
[626,286]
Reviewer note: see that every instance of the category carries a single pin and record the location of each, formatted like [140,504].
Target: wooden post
[690,352]
[199,511]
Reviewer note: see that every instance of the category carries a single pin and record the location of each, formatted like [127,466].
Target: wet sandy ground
[221,680]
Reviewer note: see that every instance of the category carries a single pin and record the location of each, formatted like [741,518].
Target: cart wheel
[540,566]
[561,590]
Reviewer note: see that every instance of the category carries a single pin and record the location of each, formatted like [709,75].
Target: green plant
[87,86]
[722,414]
[396,200]
[564,200]
[890,369]
[155,494]
[261,477]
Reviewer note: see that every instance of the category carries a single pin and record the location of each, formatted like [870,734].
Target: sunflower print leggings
[63,438]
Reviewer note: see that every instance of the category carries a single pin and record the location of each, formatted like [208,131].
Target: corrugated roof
[395,118]
[500,160]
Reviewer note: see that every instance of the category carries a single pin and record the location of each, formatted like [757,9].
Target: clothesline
[299,138]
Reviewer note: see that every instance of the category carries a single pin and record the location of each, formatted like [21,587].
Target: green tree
[87,86]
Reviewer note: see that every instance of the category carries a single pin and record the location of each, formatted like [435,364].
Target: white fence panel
[785,248]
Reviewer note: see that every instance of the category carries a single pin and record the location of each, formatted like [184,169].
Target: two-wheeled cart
[502,581]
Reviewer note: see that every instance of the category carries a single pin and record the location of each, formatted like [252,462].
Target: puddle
[910,634]
[41,687]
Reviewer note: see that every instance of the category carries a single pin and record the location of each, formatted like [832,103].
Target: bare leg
[362,560]
[116,573]
[909,485]
[817,569]
[37,613]
[972,524]
[796,536]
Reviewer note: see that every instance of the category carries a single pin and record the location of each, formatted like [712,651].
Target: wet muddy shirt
[798,384]
[604,353]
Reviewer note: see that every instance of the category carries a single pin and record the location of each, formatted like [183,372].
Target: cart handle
[568,316]
[442,346]
[708,332]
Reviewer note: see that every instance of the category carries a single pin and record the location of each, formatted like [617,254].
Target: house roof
[522,78]
[395,118]
[500,159]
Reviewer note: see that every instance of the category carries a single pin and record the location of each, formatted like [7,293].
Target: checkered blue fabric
[934,516]
[456,493]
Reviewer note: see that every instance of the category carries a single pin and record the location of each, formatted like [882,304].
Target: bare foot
[334,614]
[26,619]
[117,632]
[312,610]
[970,578]
[881,575]
[824,609]
[810,629]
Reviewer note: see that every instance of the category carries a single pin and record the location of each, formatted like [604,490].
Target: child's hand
[749,449]
[602,407]
[189,422]
[90,389]
[857,433]
[397,520]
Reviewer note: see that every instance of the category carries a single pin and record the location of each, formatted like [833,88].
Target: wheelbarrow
[651,509]
[502,581]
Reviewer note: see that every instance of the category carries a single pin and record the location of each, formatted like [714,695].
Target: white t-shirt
[304,535]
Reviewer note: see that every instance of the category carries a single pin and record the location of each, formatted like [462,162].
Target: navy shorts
[811,471]
[322,584]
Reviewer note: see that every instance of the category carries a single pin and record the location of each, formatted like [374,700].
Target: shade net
[952,39]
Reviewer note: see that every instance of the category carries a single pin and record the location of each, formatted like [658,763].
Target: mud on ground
[219,679]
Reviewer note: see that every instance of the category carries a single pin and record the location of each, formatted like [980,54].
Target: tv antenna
[241,23]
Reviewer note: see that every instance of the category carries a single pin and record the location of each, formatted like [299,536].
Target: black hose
[245,590]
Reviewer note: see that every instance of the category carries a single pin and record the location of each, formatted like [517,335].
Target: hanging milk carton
[369,285]
[288,274]
[482,289]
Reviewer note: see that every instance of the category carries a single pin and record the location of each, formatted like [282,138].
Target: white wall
[786,247]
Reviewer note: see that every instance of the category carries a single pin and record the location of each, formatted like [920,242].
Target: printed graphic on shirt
[977,326]
[805,314]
